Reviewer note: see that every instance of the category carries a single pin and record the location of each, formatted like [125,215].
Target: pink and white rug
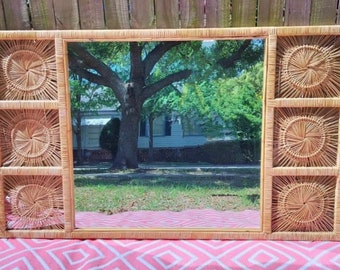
[192,218]
[164,254]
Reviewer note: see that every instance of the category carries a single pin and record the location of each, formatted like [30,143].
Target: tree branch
[136,73]
[175,77]
[156,54]
[230,61]
[79,69]
[81,61]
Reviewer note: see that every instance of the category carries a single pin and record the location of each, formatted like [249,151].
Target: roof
[137,14]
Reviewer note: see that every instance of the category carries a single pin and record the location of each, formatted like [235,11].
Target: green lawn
[175,190]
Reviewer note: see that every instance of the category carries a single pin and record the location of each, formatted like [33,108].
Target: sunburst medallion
[304,203]
[30,138]
[34,202]
[308,67]
[27,70]
[305,137]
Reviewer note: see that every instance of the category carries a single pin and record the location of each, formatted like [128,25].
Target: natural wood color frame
[270,34]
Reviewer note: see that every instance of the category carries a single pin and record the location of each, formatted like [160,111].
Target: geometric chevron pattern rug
[166,254]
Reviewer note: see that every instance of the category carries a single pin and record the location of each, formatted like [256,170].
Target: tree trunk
[79,155]
[79,150]
[150,153]
[128,140]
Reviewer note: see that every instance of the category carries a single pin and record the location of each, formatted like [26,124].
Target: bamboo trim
[169,34]
[291,171]
[307,102]
[337,193]
[140,34]
[268,161]
[28,104]
[200,234]
[171,235]
[45,234]
[65,133]
[31,170]
[338,156]
[267,133]
[2,209]
[337,210]
[263,128]
[271,76]
[308,30]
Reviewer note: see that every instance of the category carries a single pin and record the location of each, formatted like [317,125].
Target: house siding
[177,139]
[92,126]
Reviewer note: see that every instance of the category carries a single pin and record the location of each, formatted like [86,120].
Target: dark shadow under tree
[109,136]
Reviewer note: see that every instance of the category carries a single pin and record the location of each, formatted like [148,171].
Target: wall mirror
[190,116]
[285,80]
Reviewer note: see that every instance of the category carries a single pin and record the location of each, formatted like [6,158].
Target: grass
[173,189]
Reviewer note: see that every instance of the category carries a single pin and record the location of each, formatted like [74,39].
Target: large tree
[151,67]
[132,93]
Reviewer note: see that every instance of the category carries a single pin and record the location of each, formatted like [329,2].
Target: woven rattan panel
[30,156]
[304,121]
[300,160]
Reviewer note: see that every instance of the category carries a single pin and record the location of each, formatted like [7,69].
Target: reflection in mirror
[167,134]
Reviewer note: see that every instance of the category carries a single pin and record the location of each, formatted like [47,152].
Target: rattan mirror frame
[295,178]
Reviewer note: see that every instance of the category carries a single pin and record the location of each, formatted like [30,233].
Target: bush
[223,152]
[109,136]
[215,152]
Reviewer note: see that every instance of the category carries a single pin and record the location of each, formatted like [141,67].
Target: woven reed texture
[308,67]
[303,203]
[306,137]
[27,70]
[34,202]
[66,140]
[303,110]
[30,138]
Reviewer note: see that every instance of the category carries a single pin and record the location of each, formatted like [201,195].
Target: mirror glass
[167,134]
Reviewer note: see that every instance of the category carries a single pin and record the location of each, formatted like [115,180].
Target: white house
[169,131]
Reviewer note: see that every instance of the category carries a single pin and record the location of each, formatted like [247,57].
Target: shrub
[223,152]
[109,136]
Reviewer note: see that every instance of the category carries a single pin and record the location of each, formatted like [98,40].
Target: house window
[161,127]
[142,128]
[167,126]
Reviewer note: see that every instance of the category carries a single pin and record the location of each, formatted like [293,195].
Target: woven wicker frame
[300,166]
